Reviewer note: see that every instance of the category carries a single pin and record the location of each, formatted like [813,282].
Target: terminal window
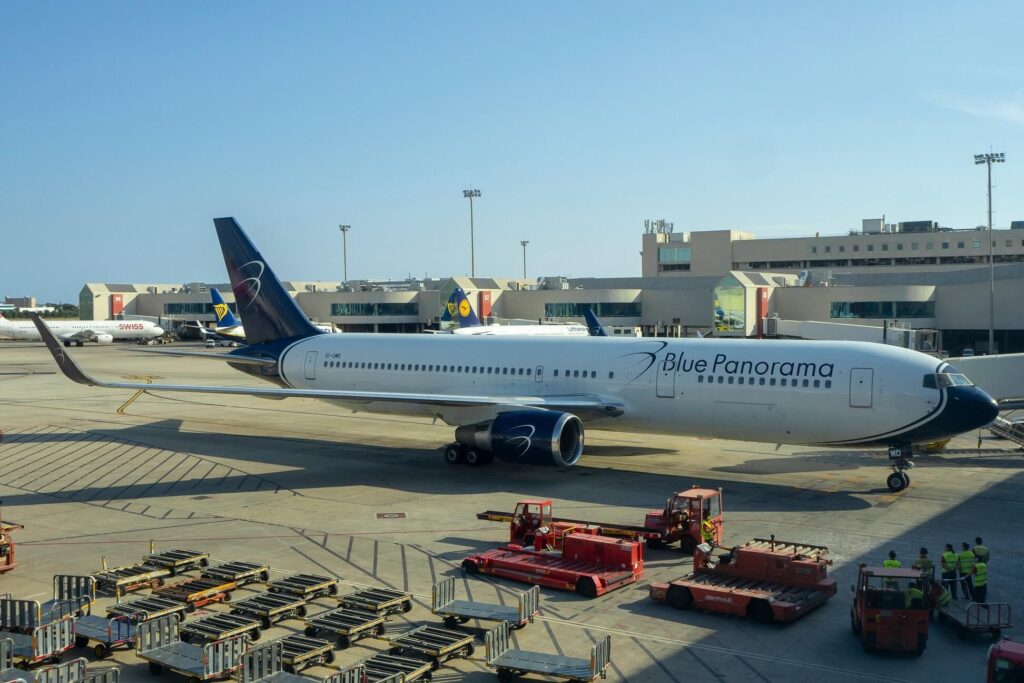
[882,309]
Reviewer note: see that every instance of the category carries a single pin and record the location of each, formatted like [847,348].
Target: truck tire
[922,643]
[854,626]
[654,543]
[587,587]
[506,676]
[470,567]
[680,597]
[761,611]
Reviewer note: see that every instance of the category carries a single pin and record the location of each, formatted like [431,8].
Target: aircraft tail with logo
[460,310]
[270,312]
[225,318]
[594,325]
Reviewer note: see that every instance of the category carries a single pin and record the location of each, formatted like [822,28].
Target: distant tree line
[59,311]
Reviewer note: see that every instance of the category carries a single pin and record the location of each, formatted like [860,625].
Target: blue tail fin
[270,313]
[225,318]
[460,309]
[594,325]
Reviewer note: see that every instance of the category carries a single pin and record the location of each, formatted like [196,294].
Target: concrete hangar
[927,283]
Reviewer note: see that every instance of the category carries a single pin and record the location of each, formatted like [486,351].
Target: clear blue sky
[127,126]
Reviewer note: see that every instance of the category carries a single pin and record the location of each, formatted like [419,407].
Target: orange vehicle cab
[891,609]
[681,519]
[1005,662]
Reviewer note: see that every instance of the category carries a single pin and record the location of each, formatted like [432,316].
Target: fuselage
[795,392]
[570,330]
[118,329]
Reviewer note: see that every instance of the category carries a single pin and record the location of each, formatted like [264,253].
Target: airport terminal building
[928,283]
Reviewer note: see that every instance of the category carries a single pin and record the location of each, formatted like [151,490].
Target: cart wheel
[194,679]
[463,620]
[587,587]
[265,622]
[506,676]
[190,607]
[688,544]
[997,634]
[56,659]
[264,576]
[761,611]
[255,634]
[101,651]
[381,629]
[654,543]
[407,606]
[329,657]
[470,567]
[470,650]
[227,597]
[288,668]
[204,562]
[301,610]
[81,641]
[155,669]
[344,642]
[680,597]
[185,637]
[435,663]
[451,622]
[333,590]
[429,676]
[310,631]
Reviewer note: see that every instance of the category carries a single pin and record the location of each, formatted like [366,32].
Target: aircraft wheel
[474,457]
[906,479]
[897,481]
[453,454]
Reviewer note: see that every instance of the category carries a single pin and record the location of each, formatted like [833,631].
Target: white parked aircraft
[525,399]
[78,332]
[459,308]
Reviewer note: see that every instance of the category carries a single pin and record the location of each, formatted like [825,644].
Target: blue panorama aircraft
[524,400]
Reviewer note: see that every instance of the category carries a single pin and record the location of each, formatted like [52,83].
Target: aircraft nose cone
[973,407]
[158,331]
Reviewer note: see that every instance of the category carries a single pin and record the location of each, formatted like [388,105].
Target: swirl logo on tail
[249,288]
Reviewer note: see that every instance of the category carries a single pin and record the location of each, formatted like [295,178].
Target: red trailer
[765,579]
[589,564]
[1005,662]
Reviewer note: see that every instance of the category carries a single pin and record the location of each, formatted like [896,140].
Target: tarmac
[310,487]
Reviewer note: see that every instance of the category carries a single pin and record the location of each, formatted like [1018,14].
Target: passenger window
[593,374]
[575,373]
[761,381]
[771,381]
[325,364]
[817,383]
[740,380]
[489,370]
[782,382]
[730,379]
[556,373]
[806,382]
[721,379]
[700,379]
[828,384]
[529,371]
[520,371]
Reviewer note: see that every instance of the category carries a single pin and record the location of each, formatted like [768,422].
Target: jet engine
[531,437]
[103,338]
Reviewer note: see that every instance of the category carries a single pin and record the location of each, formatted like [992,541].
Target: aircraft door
[861,387]
[538,373]
[310,364]
[666,382]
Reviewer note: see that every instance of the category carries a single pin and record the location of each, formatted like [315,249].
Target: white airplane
[78,332]
[524,399]
[459,308]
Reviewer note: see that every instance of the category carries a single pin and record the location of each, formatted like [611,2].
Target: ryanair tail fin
[594,325]
[225,318]
[270,312]
[459,309]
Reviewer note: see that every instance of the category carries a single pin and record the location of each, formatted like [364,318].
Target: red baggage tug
[765,579]
[587,563]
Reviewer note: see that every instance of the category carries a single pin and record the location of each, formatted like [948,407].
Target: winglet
[65,362]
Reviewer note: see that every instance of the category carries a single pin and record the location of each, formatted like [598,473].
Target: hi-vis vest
[966,562]
[707,530]
[944,597]
[980,574]
[949,561]
[891,564]
[981,552]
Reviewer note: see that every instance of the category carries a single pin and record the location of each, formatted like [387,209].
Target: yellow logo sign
[221,310]
[451,308]
[464,309]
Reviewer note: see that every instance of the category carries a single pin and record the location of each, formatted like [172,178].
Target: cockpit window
[946,379]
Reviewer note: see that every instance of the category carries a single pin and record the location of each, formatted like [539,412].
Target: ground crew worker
[979,583]
[707,529]
[980,550]
[948,562]
[965,565]
[914,593]
[892,562]
[941,595]
[925,564]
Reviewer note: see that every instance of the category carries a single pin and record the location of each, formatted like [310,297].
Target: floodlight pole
[469,194]
[988,160]
[524,243]
[344,248]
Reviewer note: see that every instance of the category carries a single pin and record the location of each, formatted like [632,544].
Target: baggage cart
[103,674]
[24,615]
[72,596]
[383,601]
[265,664]
[219,627]
[42,644]
[145,609]
[240,573]
[196,592]
[347,624]
[308,586]
[302,652]
[106,634]
[120,581]
[382,667]
[178,561]
[977,617]
[159,643]
[511,662]
[73,671]
[455,612]
[271,608]
[436,645]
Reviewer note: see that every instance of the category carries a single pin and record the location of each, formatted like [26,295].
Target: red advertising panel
[116,304]
[485,304]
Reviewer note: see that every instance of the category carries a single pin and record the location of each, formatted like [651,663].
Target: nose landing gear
[900,460]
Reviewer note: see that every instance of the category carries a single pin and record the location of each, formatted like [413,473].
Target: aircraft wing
[80,335]
[227,357]
[586,406]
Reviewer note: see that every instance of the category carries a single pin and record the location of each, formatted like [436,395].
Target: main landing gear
[900,461]
[460,454]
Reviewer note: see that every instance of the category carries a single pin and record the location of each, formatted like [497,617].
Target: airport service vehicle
[511,662]
[1005,662]
[767,580]
[7,561]
[589,564]
[77,332]
[524,400]
[885,616]
[977,617]
[454,612]
[532,522]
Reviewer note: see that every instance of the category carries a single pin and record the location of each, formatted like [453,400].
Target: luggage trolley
[41,644]
[437,645]
[72,594]
[347,624]
[511,662]
[107,634]
[301,652]
[308,586]
[240,573]
[120,581]
[73,671]
[265,664]
[271,608]
[159,643]
[219,627]
[455,612]
[24,615]
[178,561]
[383,601]
[196,592]
[103,674]
[382,667]
[145,609]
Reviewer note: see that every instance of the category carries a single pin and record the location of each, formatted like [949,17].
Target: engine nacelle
[531,437]
[103,338]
